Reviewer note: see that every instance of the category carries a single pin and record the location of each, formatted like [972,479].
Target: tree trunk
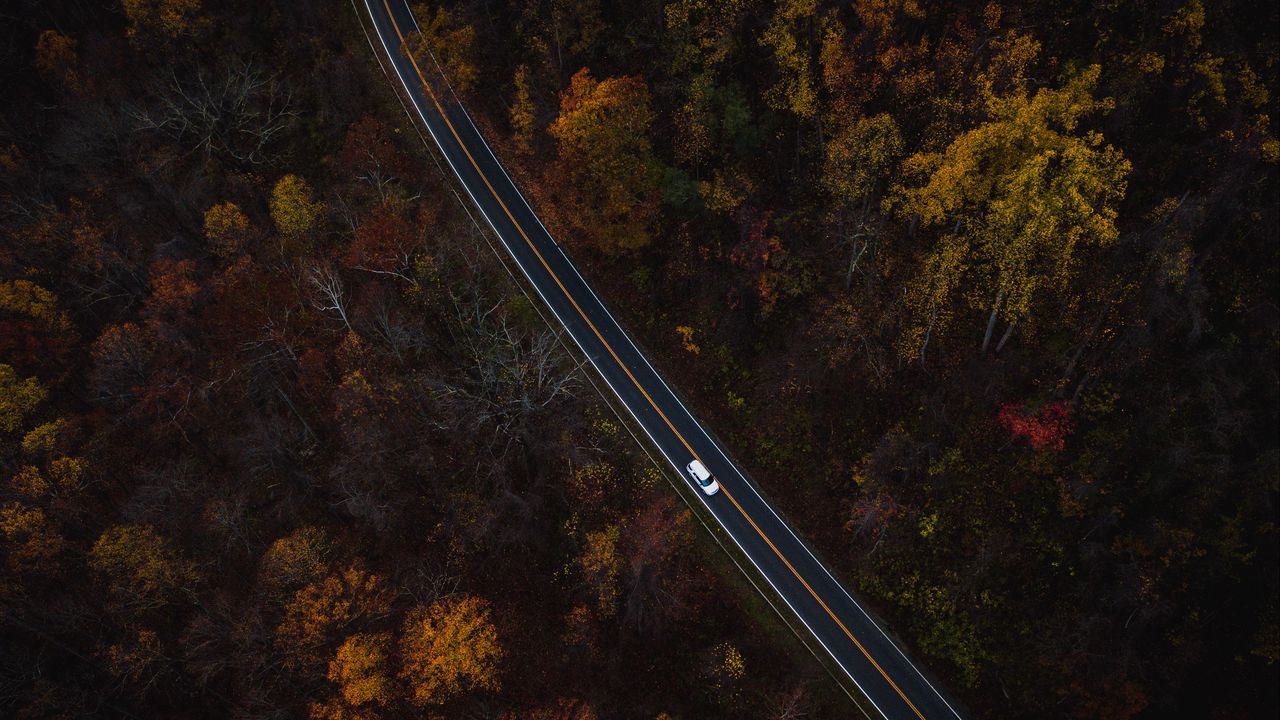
[928,332]
[1005,338]
[991,321]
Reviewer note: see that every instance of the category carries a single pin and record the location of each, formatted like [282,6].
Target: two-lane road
[888,679]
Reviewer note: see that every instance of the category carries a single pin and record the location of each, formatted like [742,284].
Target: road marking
[444,116]
[815,595]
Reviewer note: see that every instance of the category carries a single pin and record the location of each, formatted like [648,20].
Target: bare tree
[328,293]
[509,376]
[236,113]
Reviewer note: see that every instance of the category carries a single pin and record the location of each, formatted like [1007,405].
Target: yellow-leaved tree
[293,208]
[788,35]
[601,565]
[522,113]
[448,648]
[606,159]
[860,157]
[442,39]
[1020,196]
[141,567]
[17,398]
[226,228]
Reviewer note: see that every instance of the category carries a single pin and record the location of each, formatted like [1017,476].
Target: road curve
[856,644]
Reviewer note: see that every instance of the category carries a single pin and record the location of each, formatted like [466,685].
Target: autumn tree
[384,243]
[33,329]
[293,208]
[57,60]
[601,566]
[860,158]
[523,113]
[168,18]
[48,440]
[700,32]
[1023,194]
[31,540]
[18,397]
[790,35]
[294,560]
[368,154]
[658,583]
[321,609]
[359,668]
[174,289]
[442,38]
[141,567]
[226,228]
[448,648]
[605,155]
[60,478]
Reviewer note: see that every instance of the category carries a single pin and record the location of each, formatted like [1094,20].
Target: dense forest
[985,296]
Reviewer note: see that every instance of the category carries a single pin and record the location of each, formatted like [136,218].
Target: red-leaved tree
[1046,428]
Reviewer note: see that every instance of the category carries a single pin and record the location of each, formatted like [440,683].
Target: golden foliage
[359,669]
[47,439]
[17,398]
[441,39]
[295,559]
[449,648]
[1025,192]
[336,709]
[732,662]
[522,113]
[602,140]
[686,339]
[293,209]
[786,34]
[323,608]
[702,31]
[169,18]
[601,565]
[860,156]
[30,539]
[226,228]
[141,565]
[23,297]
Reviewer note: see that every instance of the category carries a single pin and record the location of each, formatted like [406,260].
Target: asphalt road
[875,663]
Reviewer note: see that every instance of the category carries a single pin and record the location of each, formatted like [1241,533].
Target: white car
[699,473]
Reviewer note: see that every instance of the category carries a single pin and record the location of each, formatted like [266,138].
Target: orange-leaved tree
[448,648]
[321,609]
[606,161]
[360,669]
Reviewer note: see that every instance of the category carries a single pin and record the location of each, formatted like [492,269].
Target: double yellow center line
[444,116]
